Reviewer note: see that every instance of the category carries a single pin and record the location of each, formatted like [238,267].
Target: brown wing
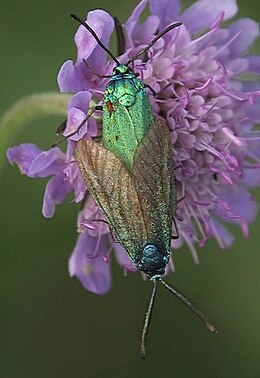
[114,191]
[154,179]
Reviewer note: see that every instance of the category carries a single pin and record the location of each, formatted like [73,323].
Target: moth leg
[174,237]
[113,237]
[97,138]
[181,199]
[164,88]
[155,94]
[95,108]
[91,112]
[100,220]
[178,167]
[61,127]
[111,233]
[151,89]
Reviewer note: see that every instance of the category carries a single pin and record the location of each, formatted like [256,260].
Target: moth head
[153,262]
[121,70]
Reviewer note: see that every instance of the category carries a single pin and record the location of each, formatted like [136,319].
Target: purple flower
[210,109]
[37,163]
[88,262]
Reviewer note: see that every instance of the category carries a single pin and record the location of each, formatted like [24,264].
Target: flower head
[197,71]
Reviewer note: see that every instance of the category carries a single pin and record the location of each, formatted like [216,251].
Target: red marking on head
[110,107]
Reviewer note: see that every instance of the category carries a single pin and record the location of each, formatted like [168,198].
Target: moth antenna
[147,320]
[86,26]
[177,293]
[166,30]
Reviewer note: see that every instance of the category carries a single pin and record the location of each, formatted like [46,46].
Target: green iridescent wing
[117,137]
[114,191]
[154,179]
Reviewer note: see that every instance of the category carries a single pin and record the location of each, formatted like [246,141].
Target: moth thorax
[153,262]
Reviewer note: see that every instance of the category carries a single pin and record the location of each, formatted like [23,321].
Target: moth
[139,205]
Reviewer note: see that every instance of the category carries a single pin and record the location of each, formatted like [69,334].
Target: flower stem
[31,107]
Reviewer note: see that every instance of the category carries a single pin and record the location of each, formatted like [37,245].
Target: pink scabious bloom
[210,109]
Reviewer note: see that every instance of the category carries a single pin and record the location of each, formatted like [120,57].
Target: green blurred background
[52,327]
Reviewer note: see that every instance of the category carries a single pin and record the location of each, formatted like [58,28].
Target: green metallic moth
[131,175]
[138,204]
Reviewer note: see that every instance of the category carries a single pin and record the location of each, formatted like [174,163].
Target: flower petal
[134,18]
[254,63]
[251,177]
[133,21]
[203,12]
[55,193]
[123,258]
[77,112]
[241,204]
[249,31]
[74,177]
[168,11]
[103,24]
[23,156]
[93,273]
[70,77]
[80,101]
[224,238]
[47,163]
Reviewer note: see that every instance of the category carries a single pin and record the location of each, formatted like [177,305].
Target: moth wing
[114,191]
[154,178]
